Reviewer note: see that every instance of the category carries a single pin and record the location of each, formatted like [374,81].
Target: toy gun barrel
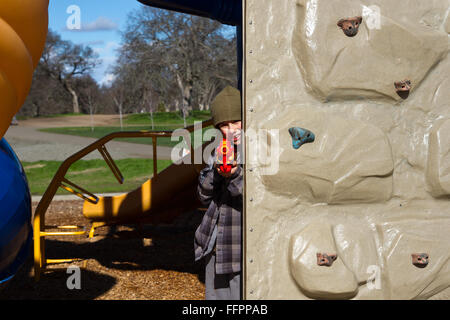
[225,156]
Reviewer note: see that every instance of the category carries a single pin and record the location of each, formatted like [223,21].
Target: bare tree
[148,102]
[46,96]
[64,61]
[118,95]
[89,95]
[184,60]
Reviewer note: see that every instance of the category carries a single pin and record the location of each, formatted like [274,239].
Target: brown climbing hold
[403,88]
[420,260]
[325,259]
[350,26]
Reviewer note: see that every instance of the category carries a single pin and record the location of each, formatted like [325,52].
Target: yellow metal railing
[59,181]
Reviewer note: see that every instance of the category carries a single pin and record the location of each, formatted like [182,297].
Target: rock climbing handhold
[301,136]
[350,26]
[420,260]
[403,88]
[325,259]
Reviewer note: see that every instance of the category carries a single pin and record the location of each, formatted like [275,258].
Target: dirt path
[32,145]
[72,121]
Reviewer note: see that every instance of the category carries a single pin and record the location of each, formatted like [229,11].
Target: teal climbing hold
[301,136]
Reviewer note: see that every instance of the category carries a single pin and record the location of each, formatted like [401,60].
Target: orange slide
[23,30]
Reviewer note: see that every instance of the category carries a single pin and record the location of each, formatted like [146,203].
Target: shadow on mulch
[125,258]
[53,287]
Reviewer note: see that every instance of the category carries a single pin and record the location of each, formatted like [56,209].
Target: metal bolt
[251,51]
[251,109]
[251,81]
[251,260]
[251,22]
[251,199]
[251,291]
[251,229]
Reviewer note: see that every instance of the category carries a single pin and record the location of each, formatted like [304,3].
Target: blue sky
[101,23]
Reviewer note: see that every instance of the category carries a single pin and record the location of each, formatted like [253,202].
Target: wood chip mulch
[119,263]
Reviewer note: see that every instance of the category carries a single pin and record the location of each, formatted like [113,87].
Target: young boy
[218,238]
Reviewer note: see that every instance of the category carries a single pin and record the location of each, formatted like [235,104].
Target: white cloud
[112,45]
[108,79]
[101,24]
[107,48]
[95,43]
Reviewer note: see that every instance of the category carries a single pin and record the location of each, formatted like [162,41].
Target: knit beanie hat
[226,106]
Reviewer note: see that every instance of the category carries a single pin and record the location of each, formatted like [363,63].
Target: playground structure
[356,206]
[161,199]
[23,26]
[15,224]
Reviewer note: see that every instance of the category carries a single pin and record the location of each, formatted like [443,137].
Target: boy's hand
[229,174]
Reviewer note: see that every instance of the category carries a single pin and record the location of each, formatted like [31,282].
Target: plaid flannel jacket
[224,198]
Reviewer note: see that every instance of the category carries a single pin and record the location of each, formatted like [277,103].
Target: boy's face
[231,130]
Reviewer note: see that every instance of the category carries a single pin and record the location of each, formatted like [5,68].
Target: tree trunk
[75,104]
[121,122]
[38,109]
[119,106]
[148,101]
[186,91]
[151,117]
[92,118]
[91,111]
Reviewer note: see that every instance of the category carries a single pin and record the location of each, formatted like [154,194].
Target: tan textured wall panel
[373,186]
[438,169]
[325,171]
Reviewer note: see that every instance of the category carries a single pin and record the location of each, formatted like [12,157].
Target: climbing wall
[350,198]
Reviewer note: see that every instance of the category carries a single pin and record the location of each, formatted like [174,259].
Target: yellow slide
[159,200]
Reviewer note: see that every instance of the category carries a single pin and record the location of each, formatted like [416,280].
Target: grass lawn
[92,175]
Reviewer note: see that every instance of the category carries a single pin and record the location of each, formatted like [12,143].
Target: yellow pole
[37,248]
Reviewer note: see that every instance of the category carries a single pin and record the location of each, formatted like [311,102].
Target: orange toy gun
[225,156]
